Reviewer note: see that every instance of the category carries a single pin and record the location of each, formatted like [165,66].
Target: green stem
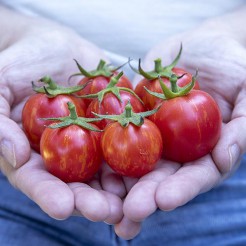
[83,71]
[51,83]
[173,82]
[101,65]
[128,110]
[158,66]
[176,59]
[72,109]
[114,80]
[159,70]
[128,116]
[102,69]
[52,89]
[73,119]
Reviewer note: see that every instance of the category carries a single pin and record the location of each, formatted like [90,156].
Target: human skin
[217,50]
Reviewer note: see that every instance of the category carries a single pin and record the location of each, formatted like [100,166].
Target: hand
[31,48]
[218,53]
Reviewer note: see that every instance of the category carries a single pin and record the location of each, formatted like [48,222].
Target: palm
[221,65]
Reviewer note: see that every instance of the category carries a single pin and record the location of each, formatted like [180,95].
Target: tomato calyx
[128,116]
[159,70]
[73,119]
[112,88]
[102,69]
[52,89]
[175,90]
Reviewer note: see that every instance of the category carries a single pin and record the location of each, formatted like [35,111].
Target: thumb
[14,146]
[232,143]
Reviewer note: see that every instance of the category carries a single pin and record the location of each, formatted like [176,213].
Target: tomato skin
[99,83]
[40,106]
[154,85]
[132,151]
[190,126]
[75,156]
[111,105]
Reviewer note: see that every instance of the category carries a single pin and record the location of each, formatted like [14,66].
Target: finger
[189,181]
[129,182]
[127,229]
[91,203]
[112,182]
[114,202]
[5,96]
[116,208]
[14,146]
[231,146]
[52,195]
[232,143]
[16,110]
[95,183]
[140,201]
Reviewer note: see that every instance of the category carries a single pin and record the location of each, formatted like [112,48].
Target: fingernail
[7,152]
[234,154]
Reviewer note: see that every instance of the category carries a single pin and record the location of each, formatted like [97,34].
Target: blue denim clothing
[215,218]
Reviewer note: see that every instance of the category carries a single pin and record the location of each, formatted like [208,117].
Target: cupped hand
[30,49]
[220,57]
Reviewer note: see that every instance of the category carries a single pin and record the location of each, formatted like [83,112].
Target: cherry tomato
[153,85]
[40,106]
[99,83]
[111,105]
[190,126]
[133,150]
[76,154]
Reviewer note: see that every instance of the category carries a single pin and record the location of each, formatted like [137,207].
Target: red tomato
[111,105]
[76,154]
[40,106]
[132,151]
[190,126]
[154,85]
[99,83]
